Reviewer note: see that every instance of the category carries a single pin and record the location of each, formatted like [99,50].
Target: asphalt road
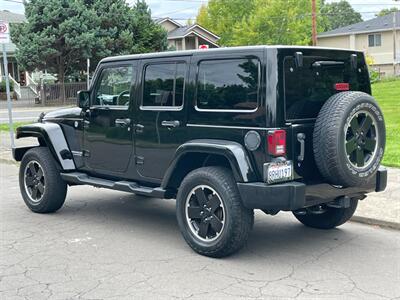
[107,244]
[24,114]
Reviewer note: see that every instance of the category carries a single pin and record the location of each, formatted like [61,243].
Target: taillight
[277,142]
[342,86]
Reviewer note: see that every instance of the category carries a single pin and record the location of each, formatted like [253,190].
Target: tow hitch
[340,202]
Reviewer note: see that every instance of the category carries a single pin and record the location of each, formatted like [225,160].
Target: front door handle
[122,122]
[174,123]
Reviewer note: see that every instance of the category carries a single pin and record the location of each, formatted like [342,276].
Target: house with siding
[378,37]
[13,68]
[188,37]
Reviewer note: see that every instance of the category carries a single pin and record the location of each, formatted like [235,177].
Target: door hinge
[139,160]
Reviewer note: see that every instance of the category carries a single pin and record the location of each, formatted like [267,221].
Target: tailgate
[307,86]
[300,136]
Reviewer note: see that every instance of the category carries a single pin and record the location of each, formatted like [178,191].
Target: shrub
[3,86]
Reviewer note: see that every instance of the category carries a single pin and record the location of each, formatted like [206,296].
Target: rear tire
[329,219]
[210,213]
[41,185]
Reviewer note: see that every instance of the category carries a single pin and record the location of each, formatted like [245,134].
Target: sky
[181,10]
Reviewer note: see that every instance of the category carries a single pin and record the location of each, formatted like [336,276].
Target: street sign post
[5,39]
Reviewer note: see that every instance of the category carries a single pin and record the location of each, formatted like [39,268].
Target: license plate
[279,171]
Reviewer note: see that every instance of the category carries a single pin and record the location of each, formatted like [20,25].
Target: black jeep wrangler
[224,131]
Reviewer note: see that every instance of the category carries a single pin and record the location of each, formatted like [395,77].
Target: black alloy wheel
[361,139]
[34,181]
[205,213]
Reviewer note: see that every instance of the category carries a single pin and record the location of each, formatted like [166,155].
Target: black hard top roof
[212,50]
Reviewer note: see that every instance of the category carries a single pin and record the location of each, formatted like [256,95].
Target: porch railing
[16,86]
[32,84]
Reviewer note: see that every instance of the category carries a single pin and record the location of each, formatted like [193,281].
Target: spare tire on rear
[349,139]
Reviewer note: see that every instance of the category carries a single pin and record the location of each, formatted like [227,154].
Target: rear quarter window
[228,84]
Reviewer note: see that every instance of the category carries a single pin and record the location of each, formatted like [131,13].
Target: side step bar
[124,186]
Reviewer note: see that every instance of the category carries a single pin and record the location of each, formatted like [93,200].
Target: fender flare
[54,138]
[235,153]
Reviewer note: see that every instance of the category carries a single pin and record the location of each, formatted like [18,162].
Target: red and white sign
[4,33]
[203,47]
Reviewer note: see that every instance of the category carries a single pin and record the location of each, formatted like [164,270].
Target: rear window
[308,87]
[229,84]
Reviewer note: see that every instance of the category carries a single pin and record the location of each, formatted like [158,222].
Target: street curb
[375,222]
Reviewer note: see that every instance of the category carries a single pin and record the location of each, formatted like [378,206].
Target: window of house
[164,85]
[374,40]
[230,84]
[114,86]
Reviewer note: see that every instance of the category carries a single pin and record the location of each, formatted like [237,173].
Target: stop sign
[203,46]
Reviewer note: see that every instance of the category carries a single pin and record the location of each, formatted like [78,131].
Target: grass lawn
[5,127]
[387,93]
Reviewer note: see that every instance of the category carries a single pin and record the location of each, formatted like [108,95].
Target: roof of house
[11,17]
[185,30]
[162,20]
[182,31]
[377,24]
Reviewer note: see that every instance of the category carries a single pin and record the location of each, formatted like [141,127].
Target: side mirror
[83,99]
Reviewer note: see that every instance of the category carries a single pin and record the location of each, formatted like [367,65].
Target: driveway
[107,244]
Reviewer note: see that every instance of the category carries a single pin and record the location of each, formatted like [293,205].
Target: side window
[114,86]
[164,85]
[374,40]
[230,84]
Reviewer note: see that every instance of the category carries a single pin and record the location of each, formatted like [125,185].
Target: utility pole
[87,73]
[394,44]
[314,23]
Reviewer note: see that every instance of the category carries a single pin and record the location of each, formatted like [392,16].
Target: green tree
[56,36]
[276,22]
[60,35]
[387,11]
[259,21]
[339,14]
[221,16]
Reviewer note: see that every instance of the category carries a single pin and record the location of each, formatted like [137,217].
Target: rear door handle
[171,123]
[122,122]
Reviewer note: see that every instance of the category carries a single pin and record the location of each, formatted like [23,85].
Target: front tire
[328,217]
[42,188]
[210,213]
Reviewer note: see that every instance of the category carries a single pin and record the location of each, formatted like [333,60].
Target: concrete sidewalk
[381,209]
